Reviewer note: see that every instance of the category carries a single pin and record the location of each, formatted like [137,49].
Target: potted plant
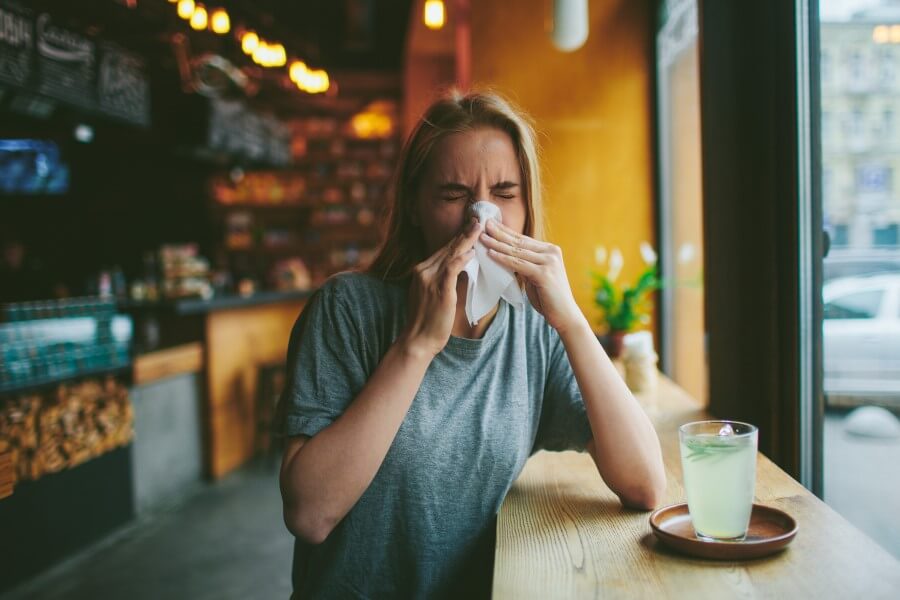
[623,308]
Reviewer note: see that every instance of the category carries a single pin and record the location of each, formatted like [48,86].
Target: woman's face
[464,168]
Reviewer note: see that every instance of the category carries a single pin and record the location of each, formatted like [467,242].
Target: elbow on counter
[310,529]
[646,496]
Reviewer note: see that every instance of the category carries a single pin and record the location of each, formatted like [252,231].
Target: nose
[482,190]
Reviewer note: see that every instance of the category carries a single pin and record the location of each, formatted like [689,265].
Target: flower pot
[612,343]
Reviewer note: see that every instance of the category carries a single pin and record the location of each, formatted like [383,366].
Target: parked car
[854,262]
[862,339]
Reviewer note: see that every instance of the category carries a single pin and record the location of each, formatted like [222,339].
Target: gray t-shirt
[424,528]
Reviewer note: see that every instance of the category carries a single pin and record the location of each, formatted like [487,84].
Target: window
[886,66]
[857,305]
[861,209]
[681,197]
[856,123]
[841,235]
[885,236]
[854,65]
[873,179]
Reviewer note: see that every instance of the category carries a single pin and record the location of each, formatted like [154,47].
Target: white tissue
[488,280]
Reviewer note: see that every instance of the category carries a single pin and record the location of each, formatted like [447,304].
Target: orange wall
[592,108]
[425,78]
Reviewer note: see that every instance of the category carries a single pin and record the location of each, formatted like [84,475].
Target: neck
[461,327]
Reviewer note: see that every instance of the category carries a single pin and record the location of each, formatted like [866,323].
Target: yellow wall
[592,108]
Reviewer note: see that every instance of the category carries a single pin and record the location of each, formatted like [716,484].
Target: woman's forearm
[625,446]
[325,478]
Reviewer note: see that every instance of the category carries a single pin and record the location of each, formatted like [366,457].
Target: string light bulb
[249,42]
[316,81]
[220,22]
[260,53]
[278,55]
[199,19]
[323,82]
[185,9]
[297,71]
[435,14]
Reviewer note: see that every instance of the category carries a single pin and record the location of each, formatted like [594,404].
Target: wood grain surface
[561,533]
[237,342]
[155,366]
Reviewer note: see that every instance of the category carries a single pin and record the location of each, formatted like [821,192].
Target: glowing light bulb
[185,9]
[261,54]
[249,42]
[220,22]
[318,82]
[297,70]
[199,18]
[279,55]
[434,14]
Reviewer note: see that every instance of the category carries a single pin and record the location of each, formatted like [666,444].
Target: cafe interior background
[176,180]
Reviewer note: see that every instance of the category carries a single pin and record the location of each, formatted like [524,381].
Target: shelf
[305,206]
[195,306]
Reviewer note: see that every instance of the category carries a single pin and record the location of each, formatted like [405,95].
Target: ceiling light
[219,21]
[434,14]
[199,18]
[185,9]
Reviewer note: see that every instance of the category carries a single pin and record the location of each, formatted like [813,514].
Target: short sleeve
[564,423]
[325,363]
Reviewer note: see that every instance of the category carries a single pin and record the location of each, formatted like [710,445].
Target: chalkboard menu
[39,55]
[66,63]
[122,88]
[239,131]
[16,44]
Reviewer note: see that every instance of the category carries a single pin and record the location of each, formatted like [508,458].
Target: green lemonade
[719,479]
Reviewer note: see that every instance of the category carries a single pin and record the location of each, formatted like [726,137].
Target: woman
[407,424]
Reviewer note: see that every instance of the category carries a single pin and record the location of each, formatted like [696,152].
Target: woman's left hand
[541,266]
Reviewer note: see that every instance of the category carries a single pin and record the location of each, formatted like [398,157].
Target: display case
[51,341]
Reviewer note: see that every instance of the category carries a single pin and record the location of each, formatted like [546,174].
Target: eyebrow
[453,187]
[459,187]
[505,185]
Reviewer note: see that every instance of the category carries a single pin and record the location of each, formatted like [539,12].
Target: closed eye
[505,189]
[453,192]
[454,197]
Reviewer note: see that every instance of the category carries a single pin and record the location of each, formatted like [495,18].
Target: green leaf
[700,449]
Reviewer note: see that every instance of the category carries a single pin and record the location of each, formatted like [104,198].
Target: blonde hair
[404,245]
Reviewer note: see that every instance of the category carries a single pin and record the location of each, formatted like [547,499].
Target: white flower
[615,264]
[600,254]
[686,253]
[648,254]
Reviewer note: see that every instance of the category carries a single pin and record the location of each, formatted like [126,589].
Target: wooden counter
[238,341]
[561,533]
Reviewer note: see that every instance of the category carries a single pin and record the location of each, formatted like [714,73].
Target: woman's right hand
[432,293]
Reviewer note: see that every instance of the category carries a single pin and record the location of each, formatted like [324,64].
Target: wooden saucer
[770,531]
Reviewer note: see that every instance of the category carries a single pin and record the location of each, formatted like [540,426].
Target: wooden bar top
[561,533]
